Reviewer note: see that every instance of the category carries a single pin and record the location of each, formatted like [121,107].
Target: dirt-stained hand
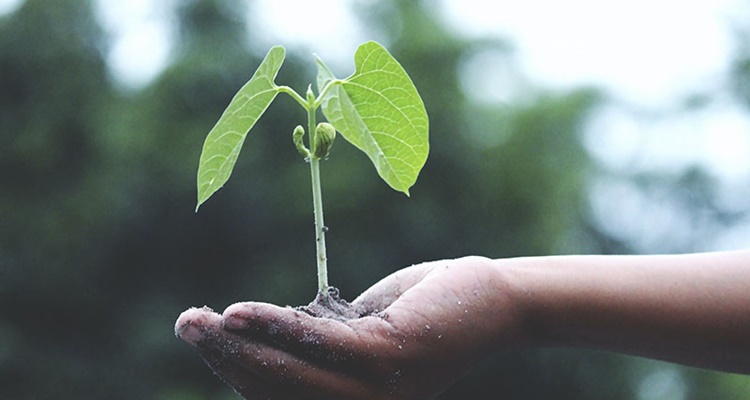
[423,328]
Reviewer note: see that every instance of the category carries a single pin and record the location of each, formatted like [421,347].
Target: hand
[425,327]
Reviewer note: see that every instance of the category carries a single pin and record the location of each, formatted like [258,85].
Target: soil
[330,305]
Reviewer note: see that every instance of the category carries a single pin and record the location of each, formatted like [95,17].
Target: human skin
[429,324]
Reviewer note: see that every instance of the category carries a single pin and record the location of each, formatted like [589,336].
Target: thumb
[389,289]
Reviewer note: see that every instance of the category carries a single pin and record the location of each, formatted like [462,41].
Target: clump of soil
[329,304]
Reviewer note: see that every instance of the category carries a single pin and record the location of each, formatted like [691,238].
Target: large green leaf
[379,111]
[223,143]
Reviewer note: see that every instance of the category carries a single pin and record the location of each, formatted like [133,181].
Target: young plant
[377,109]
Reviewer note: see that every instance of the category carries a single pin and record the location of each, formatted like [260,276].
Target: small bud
[325,133]
[297,135]
[309,94]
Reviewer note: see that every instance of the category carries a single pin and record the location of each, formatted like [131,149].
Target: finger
[193,323]
[288,376]
[335,344]
[201,328]
[261,371]
[228,368]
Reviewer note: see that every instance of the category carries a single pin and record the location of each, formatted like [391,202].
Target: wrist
[509,304]
[524,283]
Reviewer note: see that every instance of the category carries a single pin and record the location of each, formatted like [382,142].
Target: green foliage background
[100,249]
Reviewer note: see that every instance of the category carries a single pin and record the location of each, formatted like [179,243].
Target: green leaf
[224,141]
[379,111]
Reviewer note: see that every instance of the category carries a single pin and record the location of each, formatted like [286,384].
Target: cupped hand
[424,327]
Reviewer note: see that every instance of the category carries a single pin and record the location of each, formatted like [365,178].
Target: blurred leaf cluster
[100,249]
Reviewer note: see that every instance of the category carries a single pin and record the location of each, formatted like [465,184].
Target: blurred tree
[55,201]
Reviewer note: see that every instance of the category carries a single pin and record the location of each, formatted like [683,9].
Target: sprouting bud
[309,94]
[325,133]
[297,135]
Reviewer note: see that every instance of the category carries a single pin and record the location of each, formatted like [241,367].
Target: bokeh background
[576,127]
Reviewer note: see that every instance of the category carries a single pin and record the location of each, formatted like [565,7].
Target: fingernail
[190,333]
[233,322]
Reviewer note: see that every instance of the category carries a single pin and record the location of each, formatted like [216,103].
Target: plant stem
[320,228]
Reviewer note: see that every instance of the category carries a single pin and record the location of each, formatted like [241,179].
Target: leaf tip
[200,202]
[404,190]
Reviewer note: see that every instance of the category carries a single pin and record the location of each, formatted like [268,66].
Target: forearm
[691,309]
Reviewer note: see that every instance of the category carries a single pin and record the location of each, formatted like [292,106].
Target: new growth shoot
[377,109]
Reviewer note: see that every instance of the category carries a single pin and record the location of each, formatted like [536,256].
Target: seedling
[377,109]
